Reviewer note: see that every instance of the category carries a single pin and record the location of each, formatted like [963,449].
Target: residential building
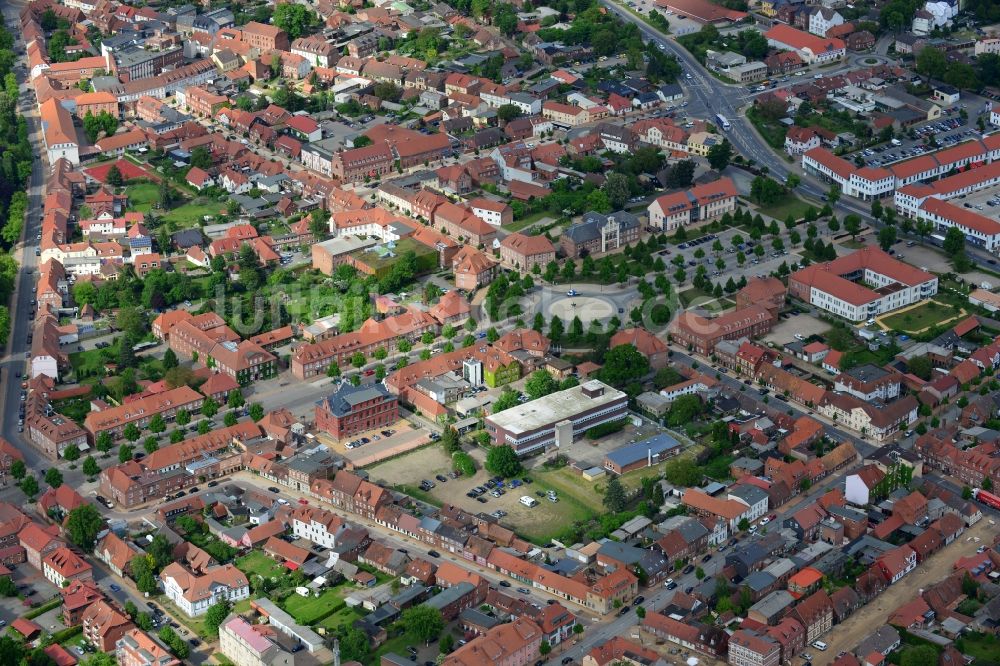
[522,253]
[836,286]
[194,593]
[137,648]
[701,334]
[749,648]
[103,626]
[698,204]
[812,49]
[140,412]
[246,645]
[63,565]
[511,644]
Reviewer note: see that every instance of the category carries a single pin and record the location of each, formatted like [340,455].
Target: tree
[229,420]
[82,526]
[919,655]
[18,469]
[933,64]
[29,486]
[169,359]
[852,224]
[7,587]
[623,364]
[618,189]
[90,466]
[966,493]
[293,19]
[131,432]
[104,442]
[544,648]
[354,644]
[720,154]
[144,621]
[615,499]
[53,477]
[508,112]
[921,366]
[699,573]
[539,384]
[450,441]
[209,408]
[97,659]
[743,525]
[503,461]
[114,177]
[764,190]
[235,399]
[683,410]
[156,424]
[680,174]
[215,615]
[256,411]
[125,452]
[954,241]
[71,453]
[507,399]
[183,417]
[422,623]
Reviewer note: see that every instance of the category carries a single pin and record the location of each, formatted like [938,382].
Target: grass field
[921,317]
[91,362]
[310,610]
[191,213]
[985,649]
[788,204]
[142,196]
[260,564]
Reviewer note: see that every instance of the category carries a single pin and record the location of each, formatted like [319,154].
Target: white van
[819,645]
[528,501]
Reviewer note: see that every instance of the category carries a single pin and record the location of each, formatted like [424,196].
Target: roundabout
[587,308]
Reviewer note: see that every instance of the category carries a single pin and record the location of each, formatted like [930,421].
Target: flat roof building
[558,418]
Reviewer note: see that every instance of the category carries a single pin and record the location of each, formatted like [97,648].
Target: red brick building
[356,409]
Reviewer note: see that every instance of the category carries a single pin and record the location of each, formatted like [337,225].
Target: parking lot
[679,24]
[730,266]
[948,131]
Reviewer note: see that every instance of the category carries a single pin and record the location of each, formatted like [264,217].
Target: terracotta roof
[528,245]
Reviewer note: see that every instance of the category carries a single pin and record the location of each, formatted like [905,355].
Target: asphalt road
[712,96]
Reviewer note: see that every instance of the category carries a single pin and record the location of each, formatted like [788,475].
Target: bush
[606,429]
[464,463]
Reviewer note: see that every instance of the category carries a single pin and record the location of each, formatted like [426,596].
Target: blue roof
[631,453]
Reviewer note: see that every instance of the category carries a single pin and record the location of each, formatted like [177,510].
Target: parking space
[679,23]
[724,264]
[947,131]
[789,327]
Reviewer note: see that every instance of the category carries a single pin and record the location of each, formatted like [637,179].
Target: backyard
[310,610]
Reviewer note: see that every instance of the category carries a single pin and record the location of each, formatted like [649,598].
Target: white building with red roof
[866,183]
[838,286]
[811,48]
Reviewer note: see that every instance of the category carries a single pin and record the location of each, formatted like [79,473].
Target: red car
[369,373]
[303,500]
[772,516]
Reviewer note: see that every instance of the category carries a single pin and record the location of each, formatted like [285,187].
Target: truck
[723,122]
[987,498]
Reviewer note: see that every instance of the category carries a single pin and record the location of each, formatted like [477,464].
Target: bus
[723,123]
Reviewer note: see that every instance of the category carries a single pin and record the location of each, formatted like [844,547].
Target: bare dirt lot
[845,636]
[578,499]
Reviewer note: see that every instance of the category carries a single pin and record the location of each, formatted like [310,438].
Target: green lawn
[90,363]
[260,564]
[772,131]
[787,204]
[341,618]
[578,502]
[921,317]
[310,610]
[985,649]
[142,196]
[191,213]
